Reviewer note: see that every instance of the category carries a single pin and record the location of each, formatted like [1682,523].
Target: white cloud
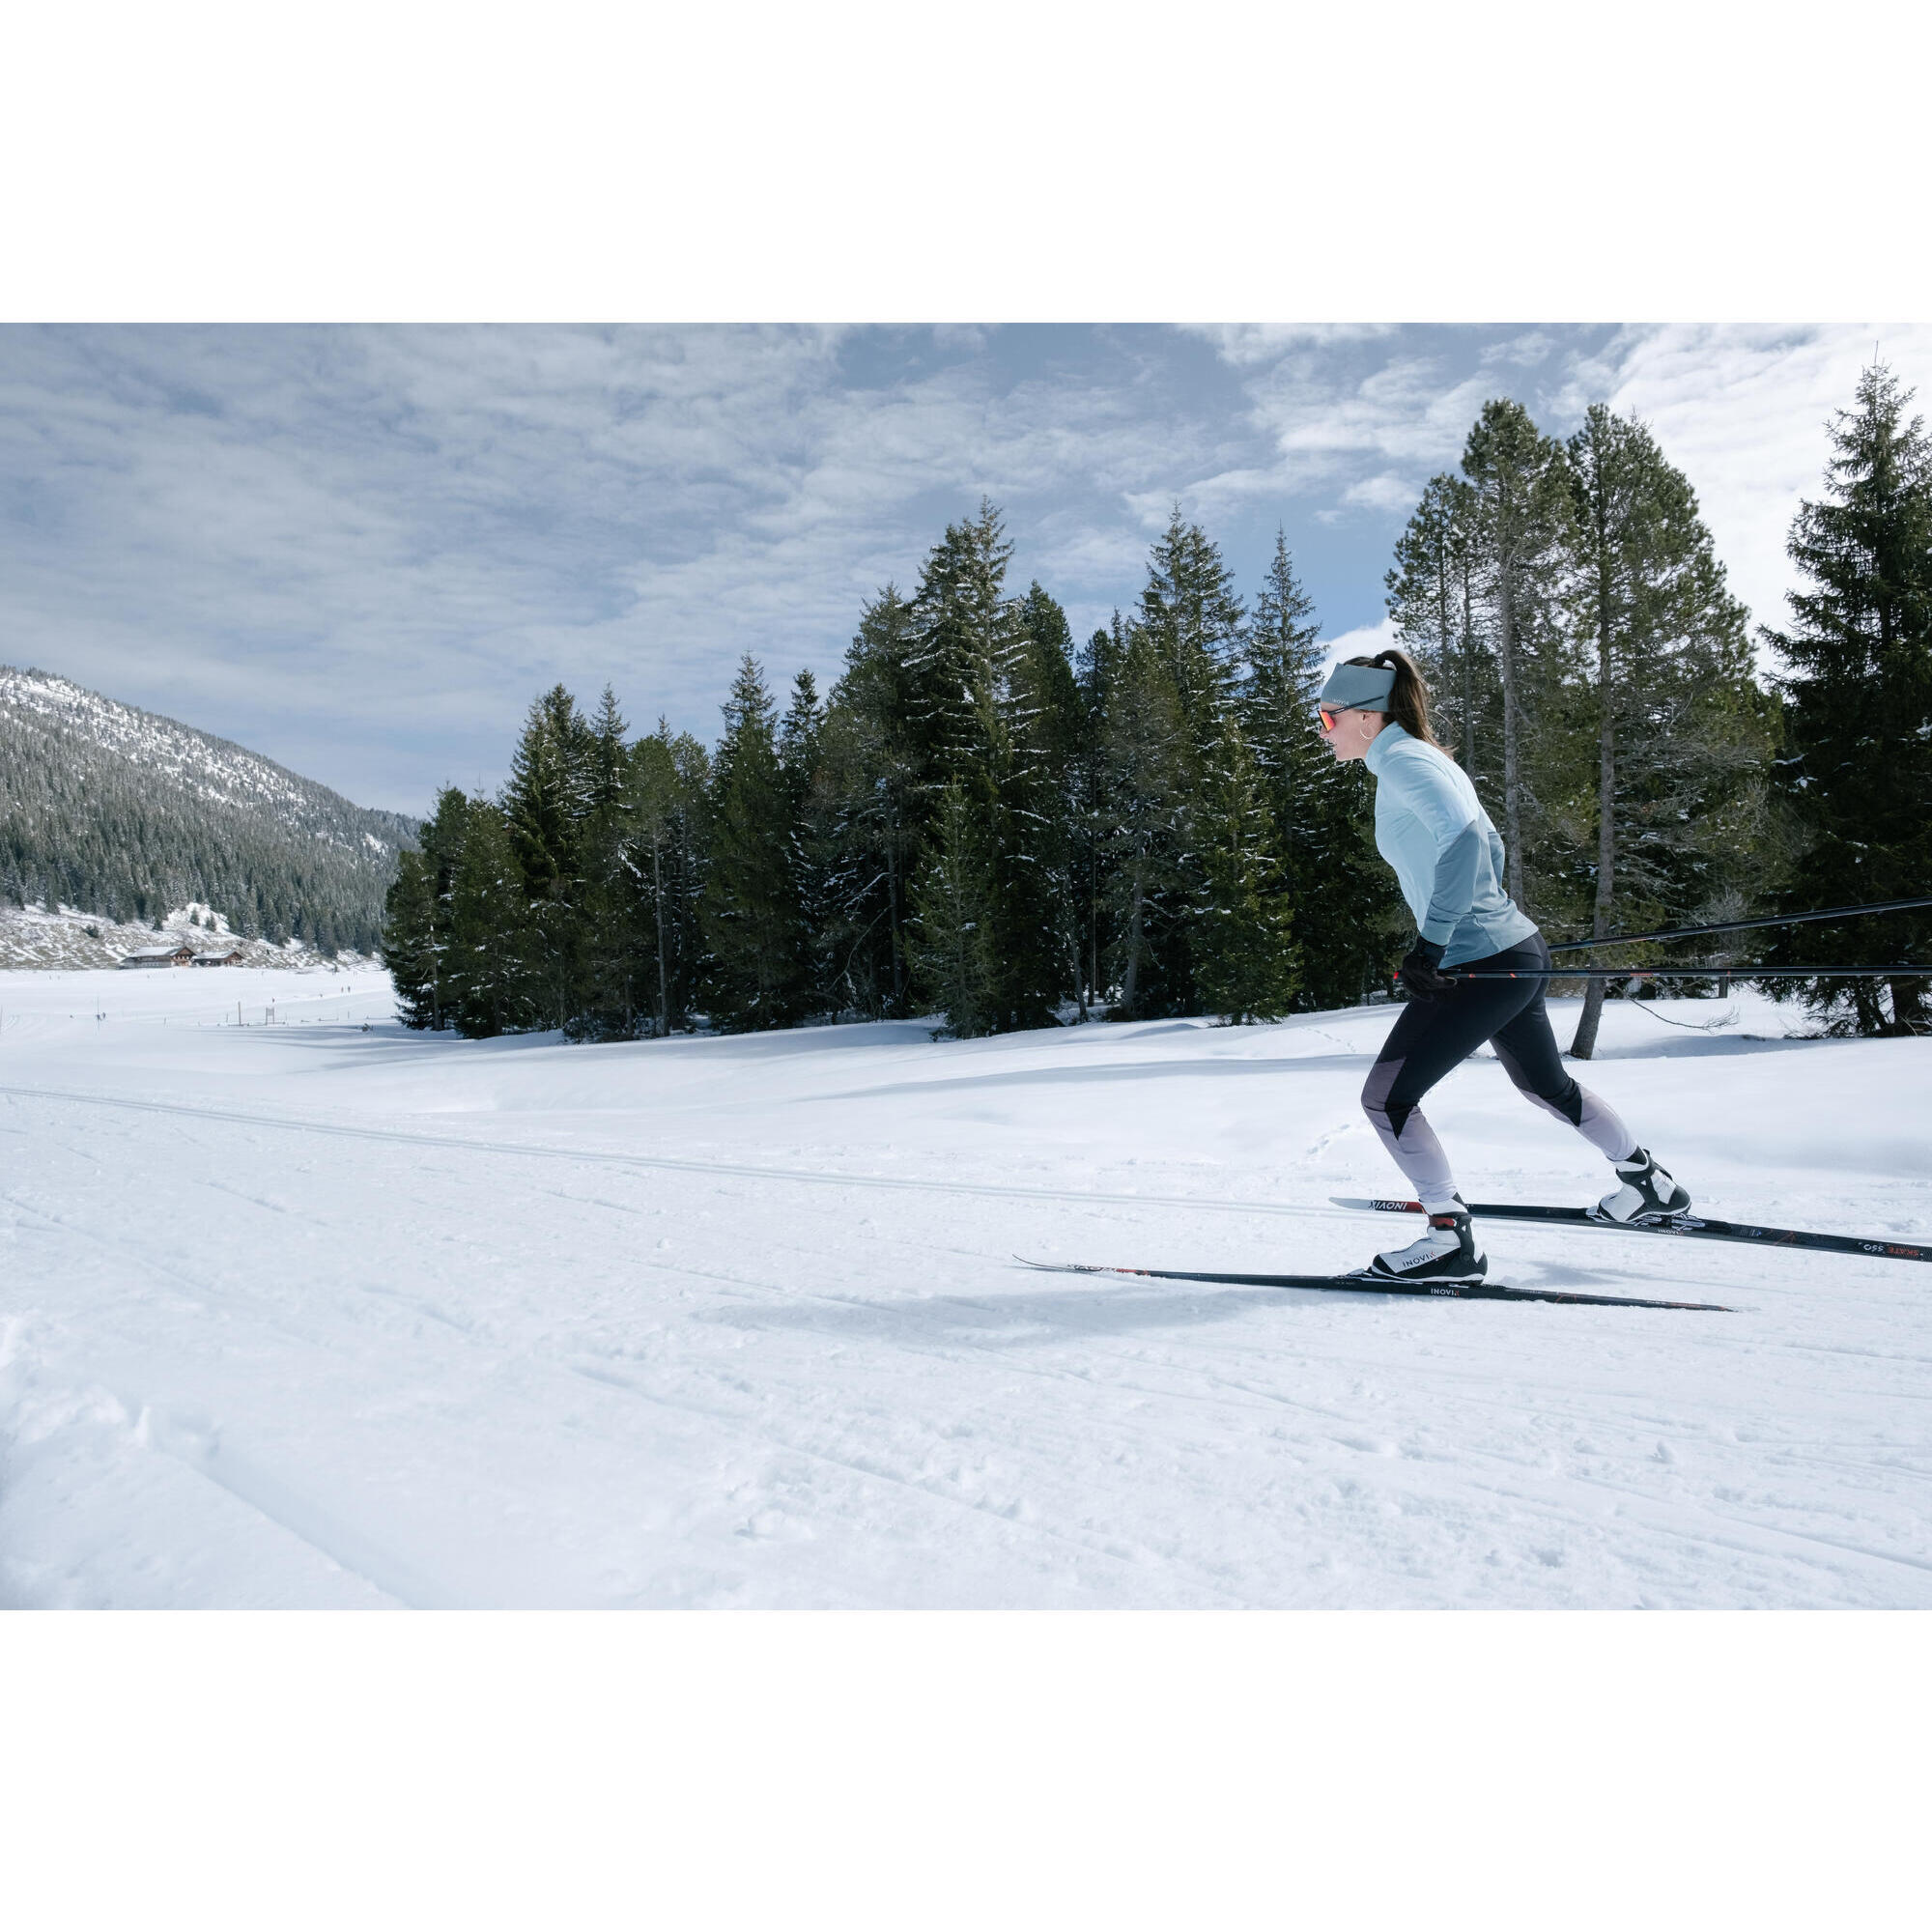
[1528,351]
[1246,344]
[1384,491]
[1408,409]
[1741,410]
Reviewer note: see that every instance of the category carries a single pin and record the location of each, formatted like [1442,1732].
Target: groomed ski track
[303,1314]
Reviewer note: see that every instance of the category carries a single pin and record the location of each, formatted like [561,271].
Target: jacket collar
[1381,745]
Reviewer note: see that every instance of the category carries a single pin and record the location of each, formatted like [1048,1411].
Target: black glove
[1420,978]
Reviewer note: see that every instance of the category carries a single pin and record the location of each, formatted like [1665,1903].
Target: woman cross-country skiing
[1432,828]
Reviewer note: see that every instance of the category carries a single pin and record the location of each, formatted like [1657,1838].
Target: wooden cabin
[161,955]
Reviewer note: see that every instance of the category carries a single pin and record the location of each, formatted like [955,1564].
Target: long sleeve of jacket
[1455,889]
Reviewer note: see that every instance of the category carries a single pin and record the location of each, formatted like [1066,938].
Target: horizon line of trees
[986,820]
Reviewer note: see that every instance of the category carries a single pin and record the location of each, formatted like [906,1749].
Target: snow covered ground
[326,1313]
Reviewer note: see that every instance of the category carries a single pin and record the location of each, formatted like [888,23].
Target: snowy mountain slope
[304,1313]
[211,768]
[125,814]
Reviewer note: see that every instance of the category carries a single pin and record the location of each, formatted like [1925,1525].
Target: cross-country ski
[1363,1282]
[1698,1227]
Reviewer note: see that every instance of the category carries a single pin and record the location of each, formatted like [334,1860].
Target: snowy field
[326,1313]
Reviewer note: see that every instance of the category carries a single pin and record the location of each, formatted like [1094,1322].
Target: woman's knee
[1375,1090]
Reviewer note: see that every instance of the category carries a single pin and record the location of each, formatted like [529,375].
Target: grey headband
[1358,686]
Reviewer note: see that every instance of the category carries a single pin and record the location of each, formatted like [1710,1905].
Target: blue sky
[362,551]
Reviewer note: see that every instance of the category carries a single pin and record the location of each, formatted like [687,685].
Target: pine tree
[1345,907]
[877,811]
[801,759]
[1856,777]
[417,932]
[1193,618]
[981,720]
[953,946]
[1149,779]
[1681,730]
[408,946]
[669,783]
[964,637]
[1188,631]
[496,980]
[1088,831]
[606,755]
[752,919]
[547,804]
[1433,599]
[548,796]
[1039,719]
[1524,526]
[1247,959]
[1277,710]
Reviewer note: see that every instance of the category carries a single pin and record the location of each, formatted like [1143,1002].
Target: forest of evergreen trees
[987,820]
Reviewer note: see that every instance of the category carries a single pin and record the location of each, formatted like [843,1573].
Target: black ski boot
[1446,1252]
[1647,1193]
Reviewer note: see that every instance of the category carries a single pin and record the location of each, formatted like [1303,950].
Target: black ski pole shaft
[1740,925]
[1701,973]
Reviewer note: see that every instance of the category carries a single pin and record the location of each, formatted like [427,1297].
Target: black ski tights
[1431,1037]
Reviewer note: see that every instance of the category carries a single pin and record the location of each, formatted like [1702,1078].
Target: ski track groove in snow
[669,1163]
[262,1340]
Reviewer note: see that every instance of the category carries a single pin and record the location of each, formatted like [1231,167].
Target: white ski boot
[1446,1252]
[1647,1193]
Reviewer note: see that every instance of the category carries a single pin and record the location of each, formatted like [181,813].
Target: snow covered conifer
[664,856]
[549,793]
[1682,731]
[605,755]
[752,918]
[801,759]
[546,806]
[1088,828]
[1277,710]
[1856,777]
[496,980]
[1148,785]
[877,809]
[1343,903]
[1245,962]
[416,932]
[1192,616]
[1177,690]
[1525,521]
[984,697]
[408,948]
[1433,597]
[951,930]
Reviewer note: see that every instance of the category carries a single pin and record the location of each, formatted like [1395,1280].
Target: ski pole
[1701,973]
[1740,925]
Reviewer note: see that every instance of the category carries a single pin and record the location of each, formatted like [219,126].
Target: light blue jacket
[1432,828]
